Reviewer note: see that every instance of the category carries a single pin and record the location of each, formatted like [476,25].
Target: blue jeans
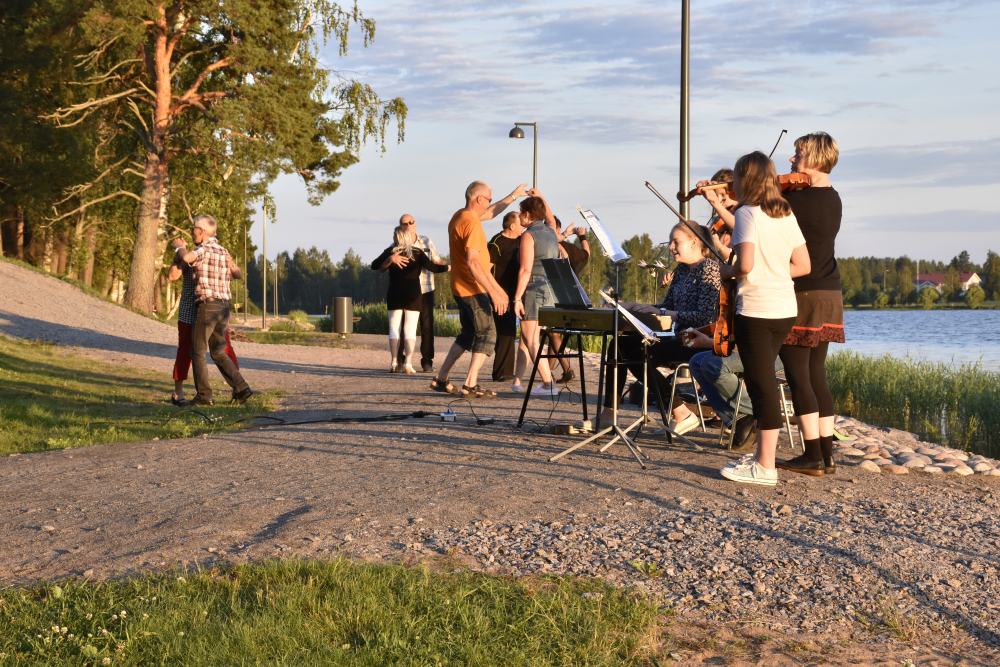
[719,384]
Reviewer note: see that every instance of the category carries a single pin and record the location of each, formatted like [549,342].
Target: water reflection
[959,336]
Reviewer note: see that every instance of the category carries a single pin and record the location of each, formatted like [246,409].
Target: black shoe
[426,368]
[567,377]
[179,402]
[242,396]
[746,434]
[829,466]
[803,465]
[198,401]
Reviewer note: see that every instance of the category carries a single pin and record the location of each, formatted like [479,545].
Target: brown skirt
[820,319]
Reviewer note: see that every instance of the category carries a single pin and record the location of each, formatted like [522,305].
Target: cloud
[939,222]
[951,163]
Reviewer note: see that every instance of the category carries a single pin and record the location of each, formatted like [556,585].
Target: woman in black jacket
[404,263]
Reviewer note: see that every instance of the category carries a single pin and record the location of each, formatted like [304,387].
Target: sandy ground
[372,489]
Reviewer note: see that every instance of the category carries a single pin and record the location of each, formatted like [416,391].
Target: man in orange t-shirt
[473,286]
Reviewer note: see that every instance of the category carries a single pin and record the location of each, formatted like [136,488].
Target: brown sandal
[444,387]
[478,392]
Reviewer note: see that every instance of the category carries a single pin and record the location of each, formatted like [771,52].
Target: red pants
[183,363]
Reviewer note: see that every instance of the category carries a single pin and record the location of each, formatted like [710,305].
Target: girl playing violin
[770,252]
[820,319]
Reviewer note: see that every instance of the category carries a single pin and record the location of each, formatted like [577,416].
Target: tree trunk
[62,255]
[73,269]
[106,290]
[158,293]
[47,251]
[88,271]
[142,271]
[19,233]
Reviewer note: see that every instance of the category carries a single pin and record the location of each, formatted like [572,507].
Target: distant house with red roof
[936,280]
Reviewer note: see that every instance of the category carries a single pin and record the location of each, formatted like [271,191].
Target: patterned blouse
[694,294]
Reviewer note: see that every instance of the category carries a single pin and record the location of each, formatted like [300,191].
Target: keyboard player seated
[692,300]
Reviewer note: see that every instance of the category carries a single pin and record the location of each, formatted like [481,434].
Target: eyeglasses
[408,224]
[488,199]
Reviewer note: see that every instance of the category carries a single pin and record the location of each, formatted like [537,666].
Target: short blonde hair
[207,223]
[820,150]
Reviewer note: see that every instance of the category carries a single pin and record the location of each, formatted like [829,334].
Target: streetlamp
[518,133]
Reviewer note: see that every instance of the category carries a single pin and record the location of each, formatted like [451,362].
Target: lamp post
[518,133]
[685,102]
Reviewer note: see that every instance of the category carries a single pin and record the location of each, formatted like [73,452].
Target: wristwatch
[663,312]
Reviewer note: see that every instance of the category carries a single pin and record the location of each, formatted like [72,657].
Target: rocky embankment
[898,452]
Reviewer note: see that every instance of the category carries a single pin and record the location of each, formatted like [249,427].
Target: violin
[723,329]
[681,197]
[793,181]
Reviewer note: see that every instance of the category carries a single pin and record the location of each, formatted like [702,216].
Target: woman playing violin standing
[820,319]
[770,252]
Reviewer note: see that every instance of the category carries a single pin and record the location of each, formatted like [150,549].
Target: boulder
[962,470]
[931,469]
[982,466]
[895,469]
[869,466]
[913,463]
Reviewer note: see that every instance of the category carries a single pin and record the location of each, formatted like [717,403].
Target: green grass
[957,406]
[375,320]
[324,613]
[52,399]
[300,338]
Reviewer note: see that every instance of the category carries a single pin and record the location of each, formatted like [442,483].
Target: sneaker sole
[745,480]
[802,471]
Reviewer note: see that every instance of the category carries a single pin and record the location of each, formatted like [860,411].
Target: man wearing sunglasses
[474,287]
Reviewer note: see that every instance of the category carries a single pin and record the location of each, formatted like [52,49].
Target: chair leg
[736,415]
[788,422]
[697,399]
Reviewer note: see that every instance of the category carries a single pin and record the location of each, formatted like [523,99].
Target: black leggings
[758,341]
[805,368]
[665,352]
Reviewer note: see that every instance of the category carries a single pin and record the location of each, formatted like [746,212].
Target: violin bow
[695,228]
[780,137]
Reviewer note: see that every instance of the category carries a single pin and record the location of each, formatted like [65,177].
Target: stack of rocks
[897,452]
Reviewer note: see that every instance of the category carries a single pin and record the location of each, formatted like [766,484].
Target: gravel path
[812,563]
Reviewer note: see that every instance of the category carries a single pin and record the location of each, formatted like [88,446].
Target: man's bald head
[406,218]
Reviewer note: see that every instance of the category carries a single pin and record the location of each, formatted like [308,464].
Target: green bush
[974,296]
[283,325]
[374,318]
[325,325]
[299,316]
[927,297]
[445,326]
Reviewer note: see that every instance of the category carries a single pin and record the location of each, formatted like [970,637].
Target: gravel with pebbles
[812,557]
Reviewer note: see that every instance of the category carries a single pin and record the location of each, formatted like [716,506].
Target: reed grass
[375,320]
[958,406]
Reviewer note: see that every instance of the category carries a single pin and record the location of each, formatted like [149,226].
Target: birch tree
[240,85]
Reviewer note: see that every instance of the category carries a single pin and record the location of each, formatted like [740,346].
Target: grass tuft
[52,399]
[324,613]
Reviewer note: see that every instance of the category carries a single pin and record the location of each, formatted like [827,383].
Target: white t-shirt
[767,292]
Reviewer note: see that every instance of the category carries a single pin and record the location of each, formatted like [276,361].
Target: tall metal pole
[534,170]
[246,313]
[275,285]
[263,311]
[685,102]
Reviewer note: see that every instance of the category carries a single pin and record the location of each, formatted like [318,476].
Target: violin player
[820,319]
[770,252]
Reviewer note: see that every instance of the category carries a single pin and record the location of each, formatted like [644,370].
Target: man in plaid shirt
[213,268]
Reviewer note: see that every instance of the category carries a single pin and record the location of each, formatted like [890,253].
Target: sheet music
[608,244]
[646,332]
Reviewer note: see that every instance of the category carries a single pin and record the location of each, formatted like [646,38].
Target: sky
[907,89]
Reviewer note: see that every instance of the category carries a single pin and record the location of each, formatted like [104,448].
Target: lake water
[957,336]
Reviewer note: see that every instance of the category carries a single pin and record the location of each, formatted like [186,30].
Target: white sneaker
[746,459]
[542,390]
[516,387]
[689,423]
[751,473]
